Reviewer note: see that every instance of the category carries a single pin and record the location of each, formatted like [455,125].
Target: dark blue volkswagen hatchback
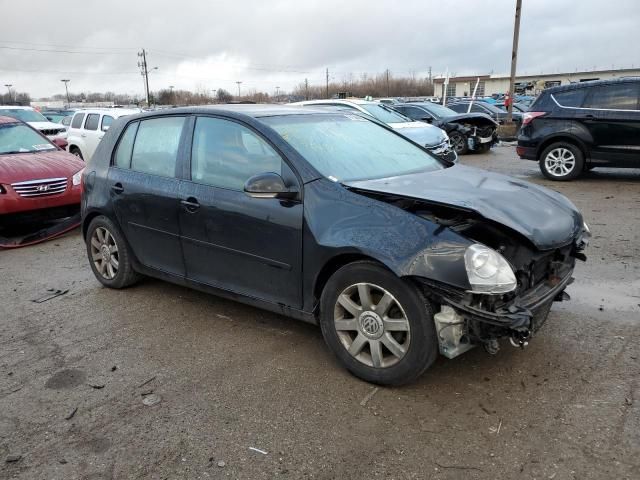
[333,219]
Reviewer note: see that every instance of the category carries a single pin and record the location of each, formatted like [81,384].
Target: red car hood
[21,167]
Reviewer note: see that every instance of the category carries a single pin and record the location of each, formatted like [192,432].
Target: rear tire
[109,254]
[379,326]
[561,161]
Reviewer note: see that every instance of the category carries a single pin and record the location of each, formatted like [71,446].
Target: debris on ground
[114,368]
[369,396]
[71,414]
[221,463]
[53,293]
[148,381]
[151,400]
[97,386]
[13,458]
[258,450]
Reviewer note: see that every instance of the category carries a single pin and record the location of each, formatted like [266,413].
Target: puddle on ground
[69,378]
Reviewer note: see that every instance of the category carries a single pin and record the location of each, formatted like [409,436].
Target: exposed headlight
[586,228]
[488,271]
[77,178]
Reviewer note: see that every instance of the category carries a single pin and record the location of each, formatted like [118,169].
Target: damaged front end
[479,130]
[516,307]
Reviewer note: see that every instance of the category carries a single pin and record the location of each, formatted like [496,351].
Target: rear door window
[77,120]
[155,149]
[622,96]
[92,121]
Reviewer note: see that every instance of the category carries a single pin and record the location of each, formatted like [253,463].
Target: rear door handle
[190,204]
[117,188]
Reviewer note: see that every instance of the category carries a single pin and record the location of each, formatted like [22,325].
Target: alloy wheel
[458,142]
[104,253]
[372,325]
[560,162]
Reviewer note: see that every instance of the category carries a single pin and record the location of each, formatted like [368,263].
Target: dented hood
[546,218]
[477,119]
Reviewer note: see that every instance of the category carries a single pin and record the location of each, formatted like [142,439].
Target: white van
[88,127]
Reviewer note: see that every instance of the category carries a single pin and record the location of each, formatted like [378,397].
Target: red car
[40,185]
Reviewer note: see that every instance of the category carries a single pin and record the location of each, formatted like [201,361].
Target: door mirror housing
[105,128]
[268,185]
[60,143]
[427,119]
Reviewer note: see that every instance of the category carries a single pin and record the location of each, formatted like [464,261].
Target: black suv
[577,127]
[331,218]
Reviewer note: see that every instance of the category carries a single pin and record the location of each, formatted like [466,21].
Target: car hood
[22,167]
[46,125]
[420,132]
[478,119]
[547,218]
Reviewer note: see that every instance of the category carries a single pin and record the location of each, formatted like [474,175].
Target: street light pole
[239,83]
[171,94]
[9,85]
[277,94]
[514,58]
[66,87]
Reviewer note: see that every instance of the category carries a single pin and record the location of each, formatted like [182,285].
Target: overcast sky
[212,44]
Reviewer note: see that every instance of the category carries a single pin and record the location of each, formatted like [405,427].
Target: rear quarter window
[77,120]
[571,98]
[122,158]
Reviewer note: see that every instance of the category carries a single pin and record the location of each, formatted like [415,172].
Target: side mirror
[268,185]
[105,128]
[427,119]
[60,143]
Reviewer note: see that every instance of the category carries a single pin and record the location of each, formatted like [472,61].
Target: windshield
[384,114]
[440,111]
[347,147]
[16,138]
[23,114]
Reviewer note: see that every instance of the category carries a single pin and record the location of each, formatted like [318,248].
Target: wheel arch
[564,138]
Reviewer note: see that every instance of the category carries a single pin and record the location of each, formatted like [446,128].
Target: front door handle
[117,188]
[190,204]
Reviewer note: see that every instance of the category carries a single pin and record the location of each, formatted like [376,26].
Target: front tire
[459,142]
[379,326]
[109,255]
[561,161]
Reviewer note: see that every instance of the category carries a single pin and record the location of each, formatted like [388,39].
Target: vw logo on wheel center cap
[106,253]
[371,325]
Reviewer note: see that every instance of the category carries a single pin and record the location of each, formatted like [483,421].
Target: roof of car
[573,86]
[114,112]
[5,120]
[356,101]
[16,107]
[252,110]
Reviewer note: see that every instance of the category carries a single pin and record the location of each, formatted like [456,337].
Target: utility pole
[145,73]
[306,89]
[327,83]
[171,95]
[387,72]
[514,58]
[277,94]
[66,87]
[9,85]
[239,83]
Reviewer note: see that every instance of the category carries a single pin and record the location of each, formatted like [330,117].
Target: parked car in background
[56,116]
[397,254]
[467,131]
[577,127]
[430,136]
[39,182]
[494,112]
[35,119]
[517,107]
[89,126]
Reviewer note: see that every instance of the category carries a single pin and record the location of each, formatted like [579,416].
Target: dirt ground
[74,372]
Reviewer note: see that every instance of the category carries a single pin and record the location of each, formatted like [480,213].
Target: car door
[144,190]
[611,113]
[91,135]
[251,246]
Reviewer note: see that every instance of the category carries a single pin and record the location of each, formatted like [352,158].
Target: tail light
[529,116]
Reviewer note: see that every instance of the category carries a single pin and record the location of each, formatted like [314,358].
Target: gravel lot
[231,377]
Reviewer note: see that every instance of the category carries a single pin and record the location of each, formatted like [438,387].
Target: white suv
[35,119]
[88,127]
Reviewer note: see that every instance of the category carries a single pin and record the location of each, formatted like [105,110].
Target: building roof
[541,75]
